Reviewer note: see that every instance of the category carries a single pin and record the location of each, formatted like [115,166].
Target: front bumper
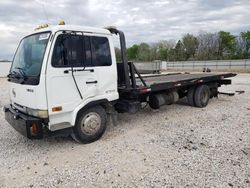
[28,126]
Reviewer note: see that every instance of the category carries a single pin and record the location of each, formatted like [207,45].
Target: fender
[83,107]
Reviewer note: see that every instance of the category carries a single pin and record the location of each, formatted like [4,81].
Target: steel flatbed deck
[168,81]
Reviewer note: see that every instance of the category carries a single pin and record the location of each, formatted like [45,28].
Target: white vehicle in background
[65,80]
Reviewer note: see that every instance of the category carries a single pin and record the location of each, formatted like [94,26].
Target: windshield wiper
[18,75]
[21,70]
[14,74]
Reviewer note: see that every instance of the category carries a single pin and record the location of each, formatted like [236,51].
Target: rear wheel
[202,96]
[190,96]
[90,125]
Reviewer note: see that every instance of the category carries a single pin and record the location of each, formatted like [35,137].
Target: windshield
[29,56]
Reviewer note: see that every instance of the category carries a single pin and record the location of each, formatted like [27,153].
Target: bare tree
[208,46]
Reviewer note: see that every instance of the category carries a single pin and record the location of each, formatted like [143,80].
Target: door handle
[78,70]
[91,82]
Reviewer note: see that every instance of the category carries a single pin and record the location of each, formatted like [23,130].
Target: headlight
[37,113]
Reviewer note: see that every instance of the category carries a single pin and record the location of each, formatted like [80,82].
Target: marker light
[57,109]
[42,26]
[61,22]
[34,129]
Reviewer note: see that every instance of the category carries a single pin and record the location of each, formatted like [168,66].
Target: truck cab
[56,71]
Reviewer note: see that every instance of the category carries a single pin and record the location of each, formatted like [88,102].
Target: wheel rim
[204,97]
[91,123]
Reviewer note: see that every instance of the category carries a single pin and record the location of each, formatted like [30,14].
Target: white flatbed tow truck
[65,80]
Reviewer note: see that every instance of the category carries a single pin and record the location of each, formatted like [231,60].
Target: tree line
[221,45]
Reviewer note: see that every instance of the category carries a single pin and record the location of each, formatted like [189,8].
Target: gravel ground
[177,146]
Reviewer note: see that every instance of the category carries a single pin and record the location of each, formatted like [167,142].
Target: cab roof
[55,28]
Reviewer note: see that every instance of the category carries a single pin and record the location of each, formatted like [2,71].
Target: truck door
[105,70]
[71,78]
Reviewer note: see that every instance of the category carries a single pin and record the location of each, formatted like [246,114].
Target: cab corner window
[101,51]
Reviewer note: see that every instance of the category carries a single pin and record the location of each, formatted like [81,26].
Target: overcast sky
[142,20]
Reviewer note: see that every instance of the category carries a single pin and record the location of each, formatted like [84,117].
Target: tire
[90,125]
[190,96]
[202,96]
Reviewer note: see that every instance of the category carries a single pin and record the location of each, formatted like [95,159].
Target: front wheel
[90,125]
